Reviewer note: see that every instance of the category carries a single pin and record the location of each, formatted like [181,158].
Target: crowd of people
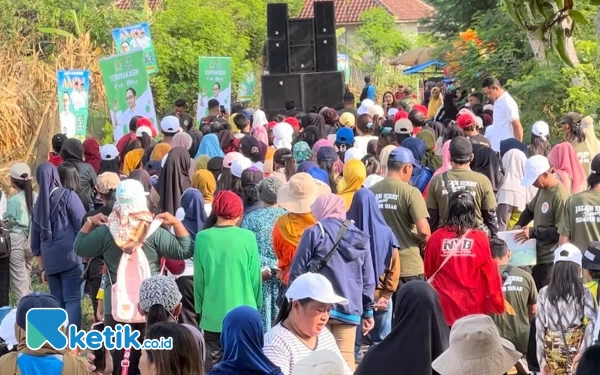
[354,240]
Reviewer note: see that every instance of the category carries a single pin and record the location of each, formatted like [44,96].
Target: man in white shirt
[506,114]
[67,118]
[79,96]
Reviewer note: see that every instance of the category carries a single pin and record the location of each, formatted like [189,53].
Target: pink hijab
[445,159]
[563,159]
[260,133]
[329,206]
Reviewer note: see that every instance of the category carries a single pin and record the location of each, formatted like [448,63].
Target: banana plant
[549,25]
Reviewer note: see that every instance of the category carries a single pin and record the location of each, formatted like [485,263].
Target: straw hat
[300,192]
[476,348]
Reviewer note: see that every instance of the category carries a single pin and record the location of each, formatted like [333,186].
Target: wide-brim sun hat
[300,192]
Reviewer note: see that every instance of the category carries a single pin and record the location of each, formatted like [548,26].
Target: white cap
[353,153]
[574,254]
[364,106]
[392,112]
[541,129]
[535,166]
[479,122]
[240,165]
[372,180]
[488,107]
[320,362]
[170,124]
[314,286]
[375,110]
[143,129]
[109,152]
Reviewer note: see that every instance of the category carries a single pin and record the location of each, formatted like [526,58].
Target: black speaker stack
[302,58]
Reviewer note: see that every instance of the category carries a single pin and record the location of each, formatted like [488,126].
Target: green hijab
[430,159]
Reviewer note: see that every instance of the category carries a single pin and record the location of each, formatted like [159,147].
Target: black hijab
[174,180]
[215,166]
[419,335]
[313,119]
[449,109]
[487,163]
[72,151]
[196,139]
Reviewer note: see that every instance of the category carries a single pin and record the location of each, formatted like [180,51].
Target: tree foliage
[453,16]
[380,34]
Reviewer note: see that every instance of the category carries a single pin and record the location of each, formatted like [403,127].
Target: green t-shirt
[583,154]
[519,290]
[226,274]
[580,222]
[402,206]
[547,207]
[16,212]
[461,179]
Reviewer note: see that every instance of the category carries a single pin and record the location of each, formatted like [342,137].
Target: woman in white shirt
[300,328]
[365,129]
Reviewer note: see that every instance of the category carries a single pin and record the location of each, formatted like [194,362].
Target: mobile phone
[222,109]
[100,354]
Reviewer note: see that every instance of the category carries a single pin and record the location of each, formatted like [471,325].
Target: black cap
[595,167]
[591,256]
[571,118]
[34,300]
[57,141]
[461,149]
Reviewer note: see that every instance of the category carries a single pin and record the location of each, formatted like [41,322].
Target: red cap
[465,121]
[293,121]
[400,115]
[421,108]
[272,124]
[144,121]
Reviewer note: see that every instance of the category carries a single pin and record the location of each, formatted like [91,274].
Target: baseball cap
[34,300]
[347,119]
[353,153]
[109,152]
[170,124]
[392,113]
[364,106]
[57,140]
[376,109]
[130,190]
[316,287]
[461,149]
[319,174]
[573,254]
[535,166]
[159,290]
[403,126]
[239,165]
[591,256]
[465,121]
[541,129]
[571,118]
[402,155]
[143,130]
[596,165]
[344,136]
[20,171]
[106,182]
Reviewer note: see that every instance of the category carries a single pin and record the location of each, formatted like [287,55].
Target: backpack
[4,240]
[133,269]
[364,92]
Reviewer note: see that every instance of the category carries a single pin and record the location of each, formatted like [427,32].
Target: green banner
[73,88]
[214,82]
[127,90]
[246,88]
[137,36]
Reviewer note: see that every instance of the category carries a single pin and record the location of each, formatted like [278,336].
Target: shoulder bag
[317,266]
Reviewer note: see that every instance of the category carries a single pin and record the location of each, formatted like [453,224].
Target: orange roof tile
[349,11]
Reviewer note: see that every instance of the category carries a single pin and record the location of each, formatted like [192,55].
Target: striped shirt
[284,349]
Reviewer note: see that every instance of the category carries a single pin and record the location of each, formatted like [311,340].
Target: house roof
[349,11]
[128,4]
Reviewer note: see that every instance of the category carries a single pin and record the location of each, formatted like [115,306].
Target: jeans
[383,327]
[67,286]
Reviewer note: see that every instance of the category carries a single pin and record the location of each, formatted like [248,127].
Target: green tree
[380,34]
[453,16]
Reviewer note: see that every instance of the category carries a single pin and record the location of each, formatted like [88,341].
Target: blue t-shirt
[40,365]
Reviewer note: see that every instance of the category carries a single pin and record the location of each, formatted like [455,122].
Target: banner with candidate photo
[134,37]
[73,89]
[214,82]
[127,90]
[343,64]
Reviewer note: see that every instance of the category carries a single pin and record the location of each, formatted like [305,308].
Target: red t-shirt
[469,283]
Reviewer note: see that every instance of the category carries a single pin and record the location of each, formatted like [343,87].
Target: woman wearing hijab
[349,268]
[196,139]
[205,182]
[194,220]
[435,103]
[259,127]
[512,144]
[57,216]
[210,146]
[448,111]
[593,144]
[243,340]
[227,141]
[419,335]
[72,152]
[284,134]
[174,180]
[202,162]
[487,163]
[512,196]
[159,151]
[184,140]
[250,179]
[384,156]
[318,121]
[91,153]
[215,166]
[305,166]
[146,181]
[384,247]
[421,175]
[133,156]
[261,223]
[302,152]
[355,175]
[430,159]
[563,159]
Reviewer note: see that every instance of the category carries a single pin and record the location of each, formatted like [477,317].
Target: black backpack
[364,92]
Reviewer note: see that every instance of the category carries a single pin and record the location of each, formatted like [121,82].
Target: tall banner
[214,82]
[127,90]
[73,88]
[343,64]
[246,88]
[134,37]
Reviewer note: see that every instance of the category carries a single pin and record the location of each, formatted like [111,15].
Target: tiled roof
[128,4]
[347,11]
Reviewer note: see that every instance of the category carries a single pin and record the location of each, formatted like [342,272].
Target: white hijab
[511,192]
[259,118]
[284,134]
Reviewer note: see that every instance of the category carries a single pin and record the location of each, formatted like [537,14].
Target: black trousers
[541,274]
[213,346]
[4,281]
[117,355]
[188,313]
